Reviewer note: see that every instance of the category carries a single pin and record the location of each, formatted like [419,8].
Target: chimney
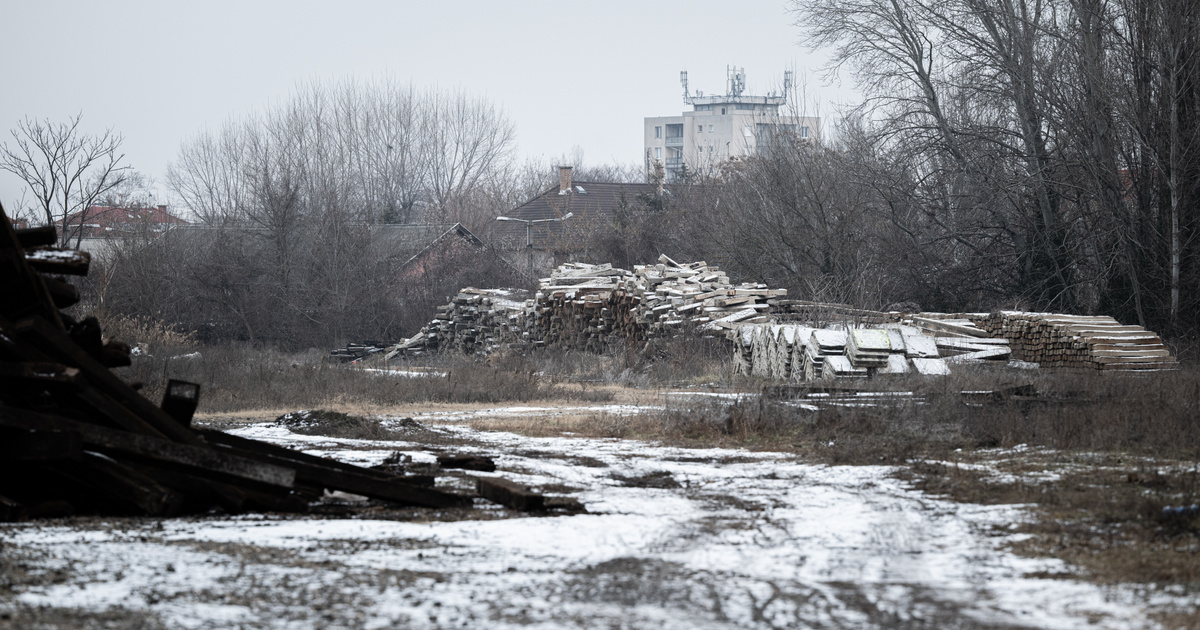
[564,179]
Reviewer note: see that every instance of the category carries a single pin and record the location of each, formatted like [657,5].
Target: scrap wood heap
[588,307]
[475,320]
[358,351]
[670,295]
[584,307]
[76,438]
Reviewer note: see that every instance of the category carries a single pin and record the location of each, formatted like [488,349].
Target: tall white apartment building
[720,127]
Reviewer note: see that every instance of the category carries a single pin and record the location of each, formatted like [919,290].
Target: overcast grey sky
[569,74]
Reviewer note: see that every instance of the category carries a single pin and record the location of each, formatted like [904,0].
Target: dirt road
[672,538]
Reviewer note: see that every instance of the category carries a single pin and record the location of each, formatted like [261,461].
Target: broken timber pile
[1074,341]
[584,307]
[357,351]
[476,320]
[76,438]
[589,307]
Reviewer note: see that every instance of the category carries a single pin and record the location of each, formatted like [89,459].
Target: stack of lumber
[76,438]
[1076,341]
[584,307]
[476,320]
[669,295]
[742,339]
[840,366]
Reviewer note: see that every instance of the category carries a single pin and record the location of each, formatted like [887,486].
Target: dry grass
[239,378]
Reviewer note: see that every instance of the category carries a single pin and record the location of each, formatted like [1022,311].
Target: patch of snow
[739,539]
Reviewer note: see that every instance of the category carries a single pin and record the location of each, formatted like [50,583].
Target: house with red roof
[98,228]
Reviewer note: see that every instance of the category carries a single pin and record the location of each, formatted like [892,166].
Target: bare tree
[66,169]
[210,177]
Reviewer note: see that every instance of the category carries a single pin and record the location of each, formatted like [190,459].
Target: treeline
[1037,155]
[1028,154]
[299,208]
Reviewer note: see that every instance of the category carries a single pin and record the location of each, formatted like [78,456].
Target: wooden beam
[203,460]
[40,446]
[394,489]
[105,477]
[35,236]
[509,494]
[58,345]
[52,260]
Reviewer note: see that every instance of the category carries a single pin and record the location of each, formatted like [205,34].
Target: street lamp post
[529,234]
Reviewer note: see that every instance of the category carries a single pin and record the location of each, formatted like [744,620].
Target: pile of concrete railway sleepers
[866,344]
[797,352]
[76,438]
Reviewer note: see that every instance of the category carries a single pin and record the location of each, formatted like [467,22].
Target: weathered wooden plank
[40,446]
[201,460]
[60,347]
[509,494]
[53,260]
[936,324]
[36,236]
[366,483]
[467,462]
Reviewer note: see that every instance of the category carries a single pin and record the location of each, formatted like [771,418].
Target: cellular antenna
[687,96]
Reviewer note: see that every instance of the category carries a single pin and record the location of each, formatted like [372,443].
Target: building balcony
[674,141]
[674,163]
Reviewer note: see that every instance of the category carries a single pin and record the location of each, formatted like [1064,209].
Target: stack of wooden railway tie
[588,307]
[475,320]
[1075,341]
[75,438]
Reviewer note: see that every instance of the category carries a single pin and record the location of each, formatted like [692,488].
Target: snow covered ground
[672,538]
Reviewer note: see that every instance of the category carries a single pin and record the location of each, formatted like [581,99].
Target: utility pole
[529,235]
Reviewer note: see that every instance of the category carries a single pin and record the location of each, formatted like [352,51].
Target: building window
[722,111]
[658,131]
[804,132]
[710,149]
[710,127]
[699,128]
[658,153]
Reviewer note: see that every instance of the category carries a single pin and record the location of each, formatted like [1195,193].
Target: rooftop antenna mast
[735,82]
[687,95]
